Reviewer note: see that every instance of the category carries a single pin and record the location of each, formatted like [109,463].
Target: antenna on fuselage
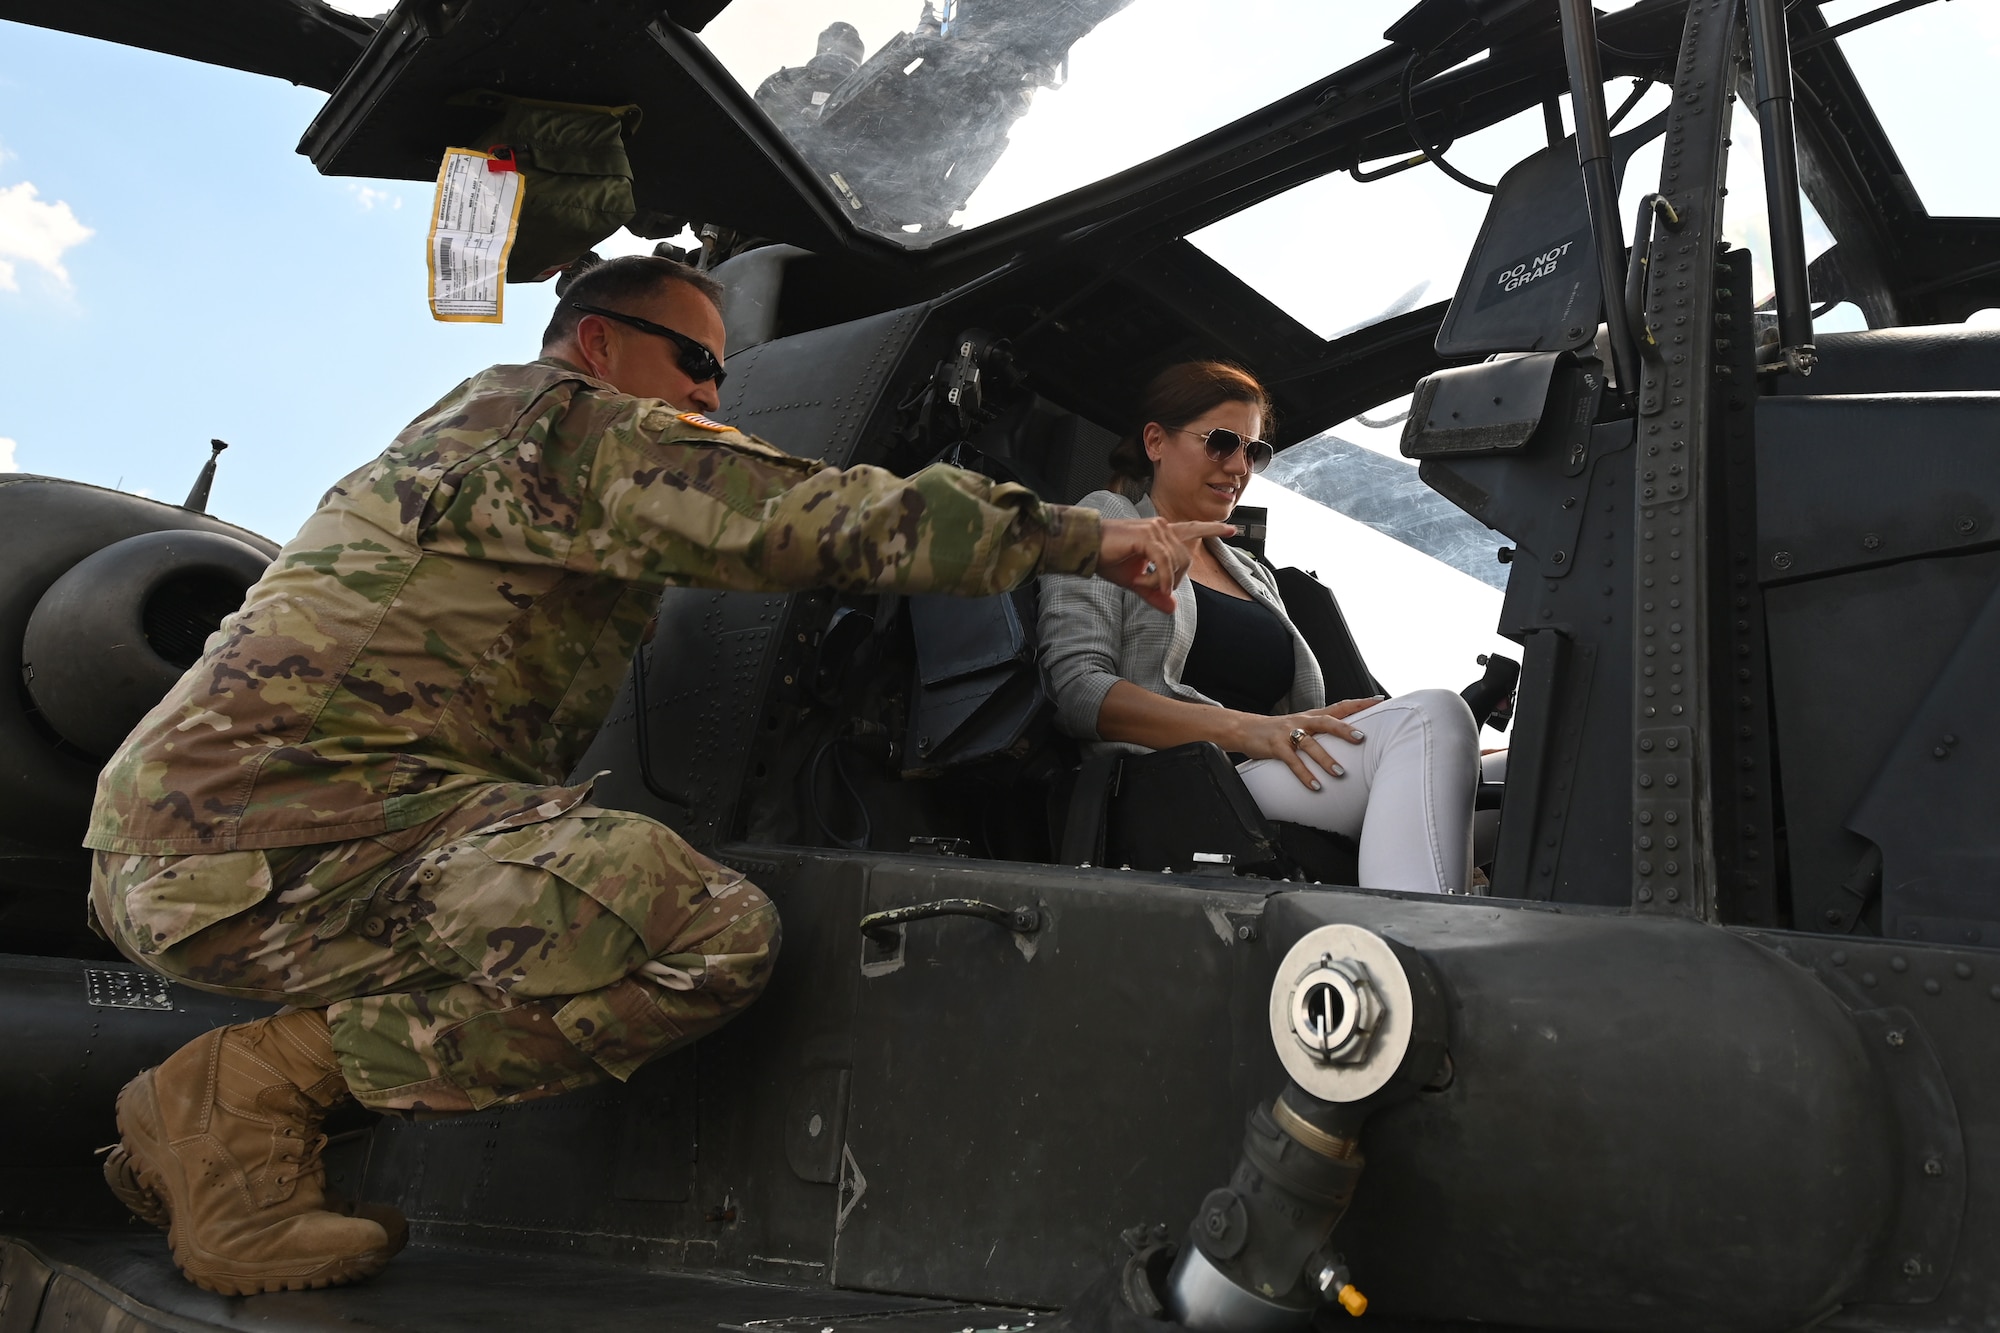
[197,501]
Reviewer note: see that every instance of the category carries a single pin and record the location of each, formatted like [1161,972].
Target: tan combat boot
[121,1173]
[225,1136]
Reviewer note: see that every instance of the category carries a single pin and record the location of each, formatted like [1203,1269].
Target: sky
[172,271]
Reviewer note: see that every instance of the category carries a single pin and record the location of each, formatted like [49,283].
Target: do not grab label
[1531,272]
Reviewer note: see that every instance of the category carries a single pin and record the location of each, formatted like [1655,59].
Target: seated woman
[1228,666]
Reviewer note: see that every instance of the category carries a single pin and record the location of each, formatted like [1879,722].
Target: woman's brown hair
[1176,396]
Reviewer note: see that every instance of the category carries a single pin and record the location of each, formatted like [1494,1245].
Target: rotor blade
[1401,305]
[1388,495]
[302,41]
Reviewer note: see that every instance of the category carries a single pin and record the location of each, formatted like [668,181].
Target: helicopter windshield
[1957,46]
[1746,222]
[1403,237]
[925,119]
[1338,254]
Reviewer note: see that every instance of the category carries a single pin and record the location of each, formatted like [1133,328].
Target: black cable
[1423,144]
[1394,168]
[859,844]
[1640,56]
[853,794]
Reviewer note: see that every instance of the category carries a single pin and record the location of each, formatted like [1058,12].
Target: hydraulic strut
[1600,182]
[1771,72]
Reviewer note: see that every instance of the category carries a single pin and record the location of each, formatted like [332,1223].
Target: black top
[1241,656]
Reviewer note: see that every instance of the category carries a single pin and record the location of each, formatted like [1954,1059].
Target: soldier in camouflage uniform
[352,803]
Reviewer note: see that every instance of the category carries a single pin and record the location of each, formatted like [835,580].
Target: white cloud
[368,196]
[7,448]
[36,232]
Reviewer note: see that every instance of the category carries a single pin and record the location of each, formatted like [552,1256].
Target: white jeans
[1406,798]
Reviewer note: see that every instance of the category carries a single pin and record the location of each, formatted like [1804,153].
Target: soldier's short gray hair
[615,284]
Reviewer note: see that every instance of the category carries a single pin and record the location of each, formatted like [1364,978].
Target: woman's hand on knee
[1349,707]
[1295,737]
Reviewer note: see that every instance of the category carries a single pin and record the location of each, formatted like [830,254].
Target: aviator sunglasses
[696,362]
[1222,445]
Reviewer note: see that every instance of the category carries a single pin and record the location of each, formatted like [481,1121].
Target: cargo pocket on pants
[637,868]
[513,927]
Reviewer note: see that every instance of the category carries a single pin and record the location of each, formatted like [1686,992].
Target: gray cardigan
[1095,634]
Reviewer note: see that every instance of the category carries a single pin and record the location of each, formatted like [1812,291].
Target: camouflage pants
[527,944]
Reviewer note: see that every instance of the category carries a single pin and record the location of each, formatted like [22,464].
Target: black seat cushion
[1157,811]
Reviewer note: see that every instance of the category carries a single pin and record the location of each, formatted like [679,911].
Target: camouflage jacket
[462,609]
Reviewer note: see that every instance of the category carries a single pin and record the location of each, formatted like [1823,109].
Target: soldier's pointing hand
[1149,555]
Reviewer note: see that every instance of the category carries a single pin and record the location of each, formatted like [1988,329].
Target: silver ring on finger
[1152,568]
[1298,737]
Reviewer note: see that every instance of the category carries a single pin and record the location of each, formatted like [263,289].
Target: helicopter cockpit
[918,726]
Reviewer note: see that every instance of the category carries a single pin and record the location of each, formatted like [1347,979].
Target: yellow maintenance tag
[473,222]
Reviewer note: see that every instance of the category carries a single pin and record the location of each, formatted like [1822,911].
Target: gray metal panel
[1915,1260]
[1843,483]
[1567,826]
[1950,999]
[69,1049]
[1851,659]
[1001,1151]
[1930,807]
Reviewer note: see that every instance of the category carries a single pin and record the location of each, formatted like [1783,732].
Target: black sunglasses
[696,362]
[1223,444]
